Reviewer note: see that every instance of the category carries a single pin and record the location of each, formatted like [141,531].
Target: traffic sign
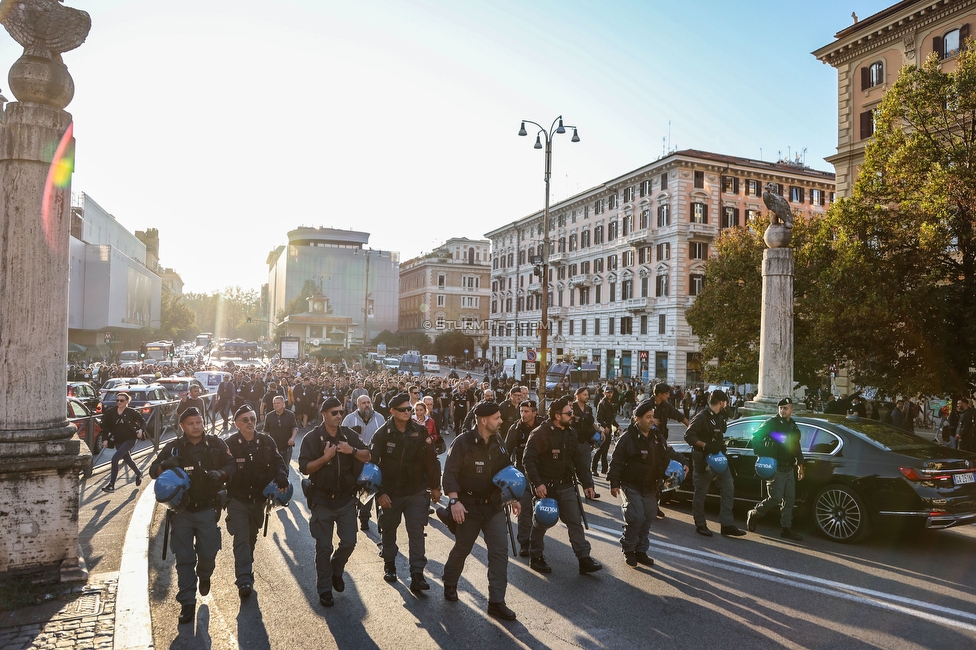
[530,355]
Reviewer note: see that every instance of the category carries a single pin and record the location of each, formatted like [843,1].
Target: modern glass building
[361,284]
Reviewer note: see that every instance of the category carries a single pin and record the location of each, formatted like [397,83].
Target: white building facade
[627,258]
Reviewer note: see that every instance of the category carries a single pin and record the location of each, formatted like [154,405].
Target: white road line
[830,588]
[133,623]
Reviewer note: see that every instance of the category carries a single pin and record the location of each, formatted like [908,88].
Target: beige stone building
[868,56]
[448,289]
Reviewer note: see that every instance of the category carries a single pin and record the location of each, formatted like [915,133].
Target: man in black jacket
[194,535]
[518,435]
[606,419]
[404,452]
[258,463]
[332,456]
[779,438]
[553,460]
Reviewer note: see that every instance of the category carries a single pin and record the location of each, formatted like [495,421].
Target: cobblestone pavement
[85,619]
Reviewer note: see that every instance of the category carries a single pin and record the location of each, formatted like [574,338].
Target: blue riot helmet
[170,487]
[546,513]
[674,475]
[718,462]
[370,479]
[511,482]
[766,467]
[596,439]
[279,498]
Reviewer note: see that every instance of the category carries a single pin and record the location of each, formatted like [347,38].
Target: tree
[225,313]
[898,291]
[453,343]
[176,320]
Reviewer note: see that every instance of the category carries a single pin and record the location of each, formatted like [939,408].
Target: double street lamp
[557,127]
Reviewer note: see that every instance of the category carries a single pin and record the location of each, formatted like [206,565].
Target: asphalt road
[911,590]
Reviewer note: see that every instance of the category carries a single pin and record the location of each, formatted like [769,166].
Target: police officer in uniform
[553,459]
[476,505]
[194,536]
[515,441]
[706,435]
[584,423]
[404,452]
[637,467]
[257,463]
[779,438]
[664,411]
[510,409]
[332,456]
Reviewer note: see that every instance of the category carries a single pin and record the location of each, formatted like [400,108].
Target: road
[912,590]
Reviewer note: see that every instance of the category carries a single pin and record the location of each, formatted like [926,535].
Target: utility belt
[219,502]
[250,498]
[475,498]
[555,483]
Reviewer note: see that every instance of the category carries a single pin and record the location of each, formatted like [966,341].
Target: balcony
[557,312]
[639,237]
[535,286]
[558,259]
[702,230]
[636,305]
[581,280]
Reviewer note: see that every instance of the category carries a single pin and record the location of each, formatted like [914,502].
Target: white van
[211,379]
[429,358]
[392,363]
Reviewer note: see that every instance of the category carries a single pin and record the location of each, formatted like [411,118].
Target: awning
[74,347]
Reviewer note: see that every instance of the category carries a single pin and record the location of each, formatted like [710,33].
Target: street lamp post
[556,127]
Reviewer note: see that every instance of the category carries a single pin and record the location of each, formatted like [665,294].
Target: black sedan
[859,473]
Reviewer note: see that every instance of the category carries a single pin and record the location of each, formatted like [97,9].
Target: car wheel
[841,514]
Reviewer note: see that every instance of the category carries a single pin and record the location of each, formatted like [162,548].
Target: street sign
[644,355]
[108,337]
[290,347]
[530,355]
[530,367]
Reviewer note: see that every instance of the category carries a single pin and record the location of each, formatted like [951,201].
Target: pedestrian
[606,421]
[965,437]
[194,536]
[404,452]
[192,398]
[779,438]
[257,464]
[226,397]
[640,460]
[515,441]
[475,457]
[124,426]
[553,461]
[365,422]
[282,426]
[332,456]
[706,436]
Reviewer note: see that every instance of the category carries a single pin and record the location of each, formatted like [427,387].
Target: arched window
[872,75]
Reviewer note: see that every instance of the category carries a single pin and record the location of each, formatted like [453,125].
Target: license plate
[959,479]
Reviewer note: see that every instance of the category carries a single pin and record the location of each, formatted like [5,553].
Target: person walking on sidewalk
[194,535]
[332,456]
[476,506]
[124,426]
[404,452]
[779,438]
[258,463]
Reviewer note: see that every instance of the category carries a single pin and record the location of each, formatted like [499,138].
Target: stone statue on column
[40,455]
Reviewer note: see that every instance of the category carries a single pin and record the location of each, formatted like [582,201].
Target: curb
[133,619]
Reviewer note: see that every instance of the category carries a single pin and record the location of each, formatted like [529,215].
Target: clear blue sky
[227,123]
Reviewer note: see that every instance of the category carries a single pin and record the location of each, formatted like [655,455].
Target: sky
[227,123]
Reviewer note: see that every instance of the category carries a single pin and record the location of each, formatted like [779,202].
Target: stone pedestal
[40,455]
[776,338]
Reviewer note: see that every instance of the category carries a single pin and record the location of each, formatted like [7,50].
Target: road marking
[818,585]
[133,622]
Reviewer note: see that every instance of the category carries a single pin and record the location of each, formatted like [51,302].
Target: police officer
[553,460]
[257,463]
[664,410]
[515,441]
[779,438]
[637,467]
[476,505]
[194,536]
[510,409]
[706,435]
[332,456]
[606,418]
[404,452]
[584,423]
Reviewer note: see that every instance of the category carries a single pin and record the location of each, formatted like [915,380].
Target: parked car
[146,399]
[115,383]
[177,387]
[432,366]
[391,363]
[860,474]
[89,427]
[84,392]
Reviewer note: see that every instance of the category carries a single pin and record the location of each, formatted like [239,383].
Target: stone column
[776,337]
[40,455]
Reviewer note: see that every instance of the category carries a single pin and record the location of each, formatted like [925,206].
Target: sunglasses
[248,419]
[402,409]
[566,413]
[335,413]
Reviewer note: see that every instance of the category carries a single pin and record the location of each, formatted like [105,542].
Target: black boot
[417,582]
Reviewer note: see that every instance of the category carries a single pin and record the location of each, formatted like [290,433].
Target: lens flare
[58,178]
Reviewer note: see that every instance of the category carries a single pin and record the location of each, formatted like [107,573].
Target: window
[597,294]
[628,194]
[751,214]
[584,267]
[698,250]
[625,224]
[663,215]
[521,257]
[872,75]
[596,326]
[571,323]
[508,306]
[626,289]
[521,306]
[573,269]
[661,286]
[951,43]
[584,295]
[699,213]
[626,325]
[662,324]
[561,220]
[730,184]
[470,282]
[700,180]
[511,260]
[583,326]
[562,244]
[612,231]
[598,206]
[585,239]
[572,298]
[796,194]
[612,202]
[598,265]
[598,235]
[572,242]
[644,287]
[645,219]
[645,188]
[561,273]
[643,325]
[441,280]
[730,217]
[695,284]
[611,262]
[816,197]
[663,252]
[441,301]
[628,257]
[494,306]
[643,254]
[753,188]
[664,181]
[613,292]
[867,124]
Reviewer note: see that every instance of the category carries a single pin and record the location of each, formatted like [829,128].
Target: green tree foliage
[225,313]
[453,343]
[177,322]
[902,273]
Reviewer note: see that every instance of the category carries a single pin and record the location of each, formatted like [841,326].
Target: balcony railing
[698,229]
[639,237]
[581,280]
[636,304]
[556,259]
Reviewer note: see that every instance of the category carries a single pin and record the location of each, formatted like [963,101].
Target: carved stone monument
[776,328]
[40,455]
